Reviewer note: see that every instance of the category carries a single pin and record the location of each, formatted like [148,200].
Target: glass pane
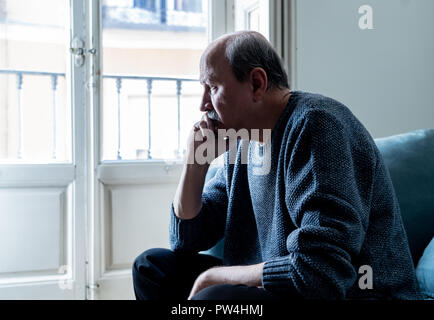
[35,118]
[151,96]
[251,15]
[254,19]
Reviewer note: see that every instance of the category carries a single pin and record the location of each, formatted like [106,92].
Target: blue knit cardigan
[326,210]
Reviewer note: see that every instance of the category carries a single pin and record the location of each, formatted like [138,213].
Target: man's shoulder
[326,120]
[311,106]
[322,113]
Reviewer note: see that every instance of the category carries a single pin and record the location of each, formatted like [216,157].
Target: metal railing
[149,82]
[20,80]
[20,74]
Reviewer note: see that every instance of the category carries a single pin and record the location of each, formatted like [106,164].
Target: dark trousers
[161,274]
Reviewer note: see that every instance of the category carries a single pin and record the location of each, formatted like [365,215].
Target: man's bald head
[244,51]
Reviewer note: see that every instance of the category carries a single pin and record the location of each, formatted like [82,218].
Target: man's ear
[259,83]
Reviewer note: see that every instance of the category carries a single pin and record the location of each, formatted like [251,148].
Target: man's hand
[203,281]
[188,197]
[204,134]
[247,275]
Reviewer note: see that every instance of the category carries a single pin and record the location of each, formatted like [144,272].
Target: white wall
[385,75]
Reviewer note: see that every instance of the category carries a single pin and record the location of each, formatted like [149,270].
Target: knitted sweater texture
[323,216]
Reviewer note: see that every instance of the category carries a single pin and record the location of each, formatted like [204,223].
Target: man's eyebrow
[210,78]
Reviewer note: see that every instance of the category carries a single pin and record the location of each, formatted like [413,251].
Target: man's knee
[149,272]
[147,259]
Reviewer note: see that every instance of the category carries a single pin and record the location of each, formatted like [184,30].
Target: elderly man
[324,211]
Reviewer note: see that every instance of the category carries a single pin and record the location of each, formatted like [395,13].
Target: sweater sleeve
[207,228]
[328,182]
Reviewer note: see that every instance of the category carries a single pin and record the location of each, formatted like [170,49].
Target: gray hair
[248,50]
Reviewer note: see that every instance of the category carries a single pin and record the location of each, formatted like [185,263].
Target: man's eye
[213,89]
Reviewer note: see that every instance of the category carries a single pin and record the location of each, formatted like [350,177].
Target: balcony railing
[118,80]
[149,83]
[20,75]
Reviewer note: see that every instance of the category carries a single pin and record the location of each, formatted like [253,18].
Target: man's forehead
[207,75]
[213,71]
[208,71]
[212,60]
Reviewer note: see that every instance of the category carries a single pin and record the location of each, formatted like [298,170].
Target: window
[35,116]
[151,94]
[253,15]
[170,15]
[188,5]
[149,5]
[81,207]
[42,181]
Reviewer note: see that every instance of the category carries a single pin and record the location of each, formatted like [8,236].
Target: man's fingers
[199,126]
[196,126]
[203,125]
[209,122]
[193,290]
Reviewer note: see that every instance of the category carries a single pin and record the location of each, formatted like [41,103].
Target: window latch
[78,50]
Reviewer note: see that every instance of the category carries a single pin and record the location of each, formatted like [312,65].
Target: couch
[410,160]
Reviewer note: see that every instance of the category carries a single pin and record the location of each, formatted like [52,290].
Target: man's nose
[206,104]
[206,107]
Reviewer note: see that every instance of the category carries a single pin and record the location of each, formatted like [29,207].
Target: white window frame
[125,171]
[87,170]
[279,28]
[70,179]
[112,173]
